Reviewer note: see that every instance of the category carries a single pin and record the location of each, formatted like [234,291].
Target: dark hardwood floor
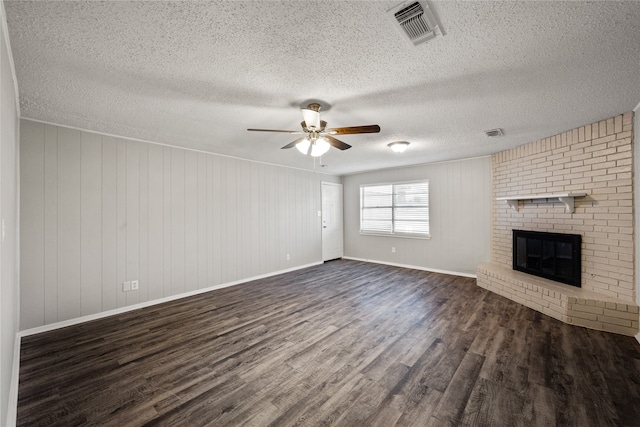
[344,343]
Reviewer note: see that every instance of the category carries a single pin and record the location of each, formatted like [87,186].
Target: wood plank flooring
[345,343]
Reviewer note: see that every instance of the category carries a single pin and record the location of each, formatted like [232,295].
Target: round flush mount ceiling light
[398,146]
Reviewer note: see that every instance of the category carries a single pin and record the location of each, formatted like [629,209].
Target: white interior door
[332,245]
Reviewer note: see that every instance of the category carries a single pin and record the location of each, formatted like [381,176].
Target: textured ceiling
[198,74]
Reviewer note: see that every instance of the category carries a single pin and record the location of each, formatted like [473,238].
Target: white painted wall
[99,210]
[459,203]
[9,116]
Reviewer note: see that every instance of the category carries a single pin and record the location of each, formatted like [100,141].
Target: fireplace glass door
[551,255]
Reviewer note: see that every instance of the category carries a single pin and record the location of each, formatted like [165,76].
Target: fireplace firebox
[554,256]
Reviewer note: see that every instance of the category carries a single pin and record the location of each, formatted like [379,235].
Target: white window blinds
[395,209]
[377,209]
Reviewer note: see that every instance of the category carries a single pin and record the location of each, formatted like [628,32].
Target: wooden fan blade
[354,129]
[294,132]
[337,143]
[292,144]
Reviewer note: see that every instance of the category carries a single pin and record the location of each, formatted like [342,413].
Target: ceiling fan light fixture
[398,146]
[311,118]
[318,139]
[303,146]
[320,147]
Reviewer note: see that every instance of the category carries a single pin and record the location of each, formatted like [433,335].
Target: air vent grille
[415,21]
[493,133]
[411,19]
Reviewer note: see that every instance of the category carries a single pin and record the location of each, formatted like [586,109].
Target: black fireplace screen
[553,256]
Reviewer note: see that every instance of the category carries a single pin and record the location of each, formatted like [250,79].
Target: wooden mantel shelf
[566,198]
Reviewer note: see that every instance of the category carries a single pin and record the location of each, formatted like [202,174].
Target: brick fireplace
[594,163]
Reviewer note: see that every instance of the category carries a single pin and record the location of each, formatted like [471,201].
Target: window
[400,209]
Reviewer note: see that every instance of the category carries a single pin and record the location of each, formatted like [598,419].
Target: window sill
[402,236]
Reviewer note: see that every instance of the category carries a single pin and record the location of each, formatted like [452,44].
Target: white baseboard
[12,406]
[414,267]
[103,314]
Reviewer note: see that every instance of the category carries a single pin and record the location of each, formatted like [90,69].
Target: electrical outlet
[393,249]
[288,258]
[126,286]
[135,285]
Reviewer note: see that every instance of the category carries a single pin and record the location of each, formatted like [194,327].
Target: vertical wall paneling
[278,222]
[242,216]
[69,221]
[143,216]
[202,232]
[245,213]
[177,221]
[132,225]
[294,221]
[220,225]
[99,210]
[271,219]
[313,220]
[284,223]
[254,234]
[297,219]
[50,223]
[109,229]
[231,252]
[10,202]
[305,206]
[213,179]
[191,220]
[258,226]
[32,210]
[456,241]
[265,224]
[121,220]
[155,222]
[483,215]
[91,223]
[166,201]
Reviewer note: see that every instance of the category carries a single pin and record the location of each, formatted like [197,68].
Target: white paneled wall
[99,210]
[9,236]
[459,209]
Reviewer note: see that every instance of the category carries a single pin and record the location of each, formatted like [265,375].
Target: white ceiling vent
[494,132]
[415,21]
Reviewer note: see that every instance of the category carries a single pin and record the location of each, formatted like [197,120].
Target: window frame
[394,233]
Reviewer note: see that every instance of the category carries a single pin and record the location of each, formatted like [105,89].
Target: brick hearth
[569,304]
[597,160]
